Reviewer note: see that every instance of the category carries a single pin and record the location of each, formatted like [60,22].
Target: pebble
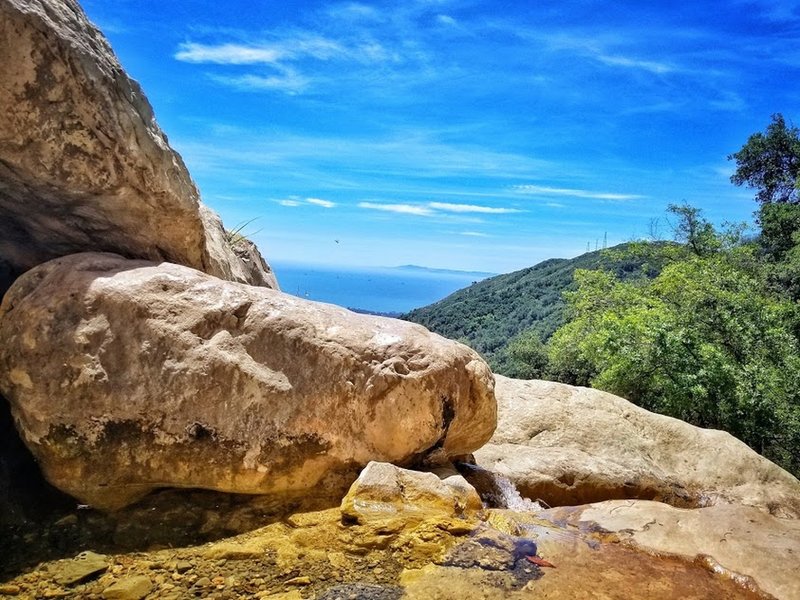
[182,566]
[303,580]
[67,521]
[9,590]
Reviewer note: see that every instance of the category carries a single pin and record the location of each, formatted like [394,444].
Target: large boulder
[570,445]
[83,164]
[124,376]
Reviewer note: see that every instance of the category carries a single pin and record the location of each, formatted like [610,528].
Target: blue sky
[459,134]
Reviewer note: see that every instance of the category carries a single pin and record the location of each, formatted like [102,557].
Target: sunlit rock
[83,163]
[126,376]
[385,491]
[572,445]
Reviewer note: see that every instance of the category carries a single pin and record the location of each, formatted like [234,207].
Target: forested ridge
[706,328]
[490,315]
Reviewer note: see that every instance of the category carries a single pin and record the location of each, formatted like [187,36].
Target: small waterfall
[496,491]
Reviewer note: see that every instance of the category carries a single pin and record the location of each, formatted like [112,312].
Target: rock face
[124,376]
[571,445]
[83,164]
[743,542]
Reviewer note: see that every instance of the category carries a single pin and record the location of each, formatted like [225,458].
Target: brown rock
[572,445]
[383,490]
[135,587]
[741,542]
[9,589]
[84,566]
[83,164]
[125,376]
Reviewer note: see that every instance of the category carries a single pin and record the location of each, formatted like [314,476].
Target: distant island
[419,269]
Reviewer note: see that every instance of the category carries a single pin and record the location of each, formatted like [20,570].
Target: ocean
[390,290]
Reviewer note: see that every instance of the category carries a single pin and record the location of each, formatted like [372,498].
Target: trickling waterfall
[496,491]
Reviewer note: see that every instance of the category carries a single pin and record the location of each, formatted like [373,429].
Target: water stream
[496,490]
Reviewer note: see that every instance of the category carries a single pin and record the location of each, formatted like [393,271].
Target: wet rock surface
[748,544]
[314,555]
[440,555]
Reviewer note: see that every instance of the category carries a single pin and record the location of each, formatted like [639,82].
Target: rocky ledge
[426,540]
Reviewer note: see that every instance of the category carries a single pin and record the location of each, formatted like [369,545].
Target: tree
[706,341]
[770,163]
[693,231]
[526,357]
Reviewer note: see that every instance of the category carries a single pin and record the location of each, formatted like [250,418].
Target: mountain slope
[491,313]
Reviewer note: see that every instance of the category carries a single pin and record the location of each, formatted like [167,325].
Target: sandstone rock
[83,164]
[383,490]
[571,445]
[131,588]
[82,567]
[9,590]
[727,539]
[125,376]
[231,551]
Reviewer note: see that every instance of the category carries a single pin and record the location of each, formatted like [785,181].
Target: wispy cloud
[474,234]
[288,82]
[321,202]
[354,11]
[471,208]
[575,193]
[267,53]
[430,209]
[659,68]
[295,201]
[405,209]
[228,54]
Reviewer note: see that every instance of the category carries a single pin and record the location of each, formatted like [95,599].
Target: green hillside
[490,314]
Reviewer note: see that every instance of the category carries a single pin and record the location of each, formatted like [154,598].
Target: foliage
[525,356]
[770,163]
[707,341]
[500,315]
[237,234]
[706,330]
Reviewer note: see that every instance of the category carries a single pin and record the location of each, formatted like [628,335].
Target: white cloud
[354,11]
[321,202]
[406,209]
[633,63]
[289,203]
[268,53]
[474,234]
[446,20]
[471,208]
[288,82]
[553,191]
[228,54]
